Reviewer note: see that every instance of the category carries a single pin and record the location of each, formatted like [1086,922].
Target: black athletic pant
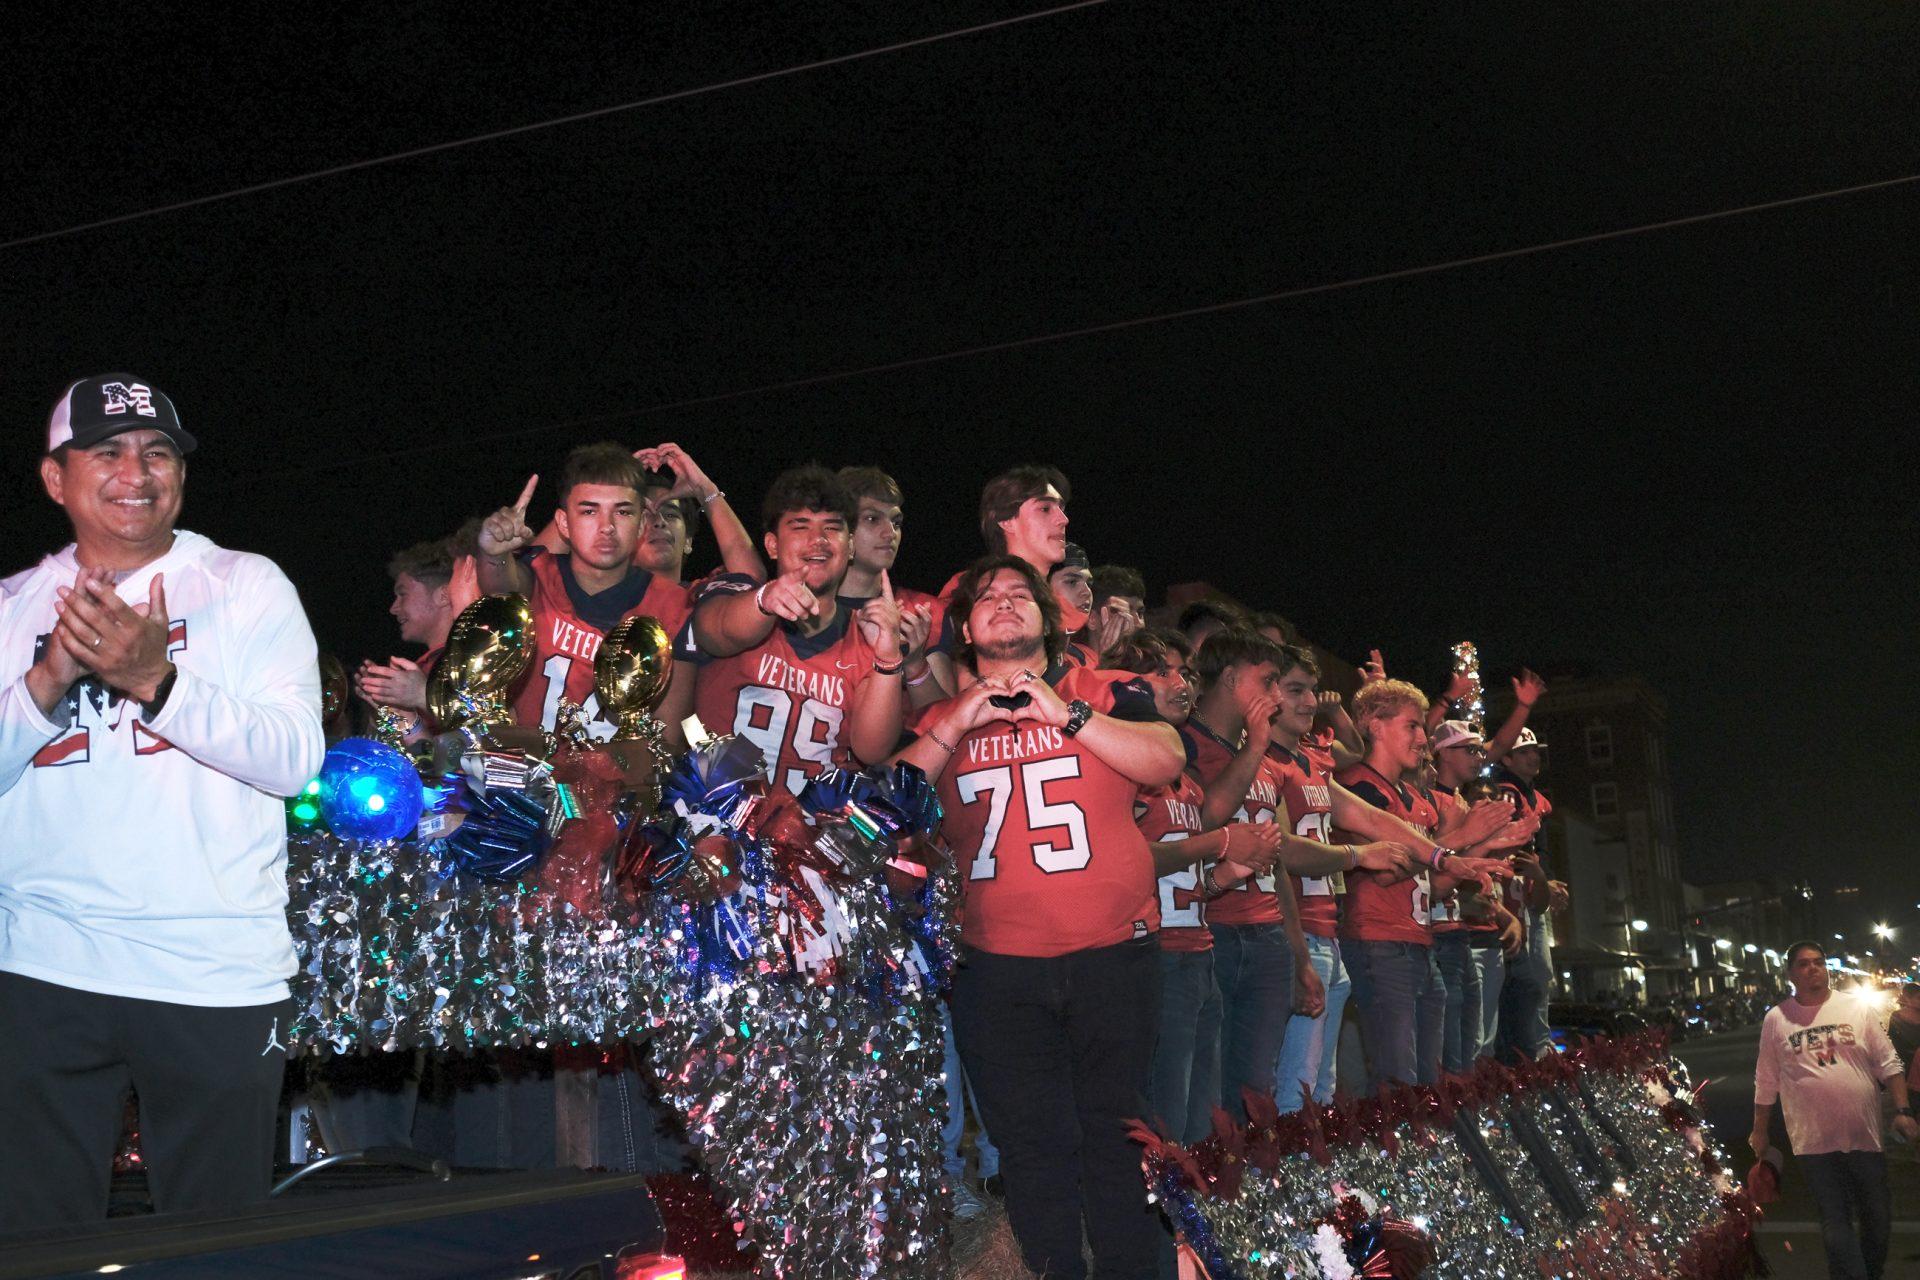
[209,1086]
[1059,1051]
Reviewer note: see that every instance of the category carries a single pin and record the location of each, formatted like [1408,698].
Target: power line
[438,147]
[1115,326]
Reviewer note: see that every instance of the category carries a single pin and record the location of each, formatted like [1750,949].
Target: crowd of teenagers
[1183,863]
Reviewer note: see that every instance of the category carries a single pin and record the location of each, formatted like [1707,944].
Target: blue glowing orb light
[369,791]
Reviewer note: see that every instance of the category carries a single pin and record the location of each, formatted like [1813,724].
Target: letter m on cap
[118,397]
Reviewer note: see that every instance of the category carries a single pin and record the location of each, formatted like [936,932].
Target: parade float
[503,888]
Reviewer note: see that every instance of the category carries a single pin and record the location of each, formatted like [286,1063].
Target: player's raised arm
[504,533]
[726,623]
[730,536]
[880,701]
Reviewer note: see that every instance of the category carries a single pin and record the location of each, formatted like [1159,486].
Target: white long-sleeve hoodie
[150,859]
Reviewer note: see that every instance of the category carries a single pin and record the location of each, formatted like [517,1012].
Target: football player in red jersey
[1263,961]
[1309,1052]
[675,492]
[1334,732]
[879,526]
[1023,513]
[1523,1000]
[1056,999]
[1256,931]
[1495,934]
[1387,925]
[1186,1062]
[780,662]
[1457,752]
[579,595]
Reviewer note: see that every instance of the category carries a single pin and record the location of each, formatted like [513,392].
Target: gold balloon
[630,673]
[488,648]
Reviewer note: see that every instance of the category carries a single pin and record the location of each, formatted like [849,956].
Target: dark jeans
[1523,1002]
[1059,1049]
[1186,1061]
[1253,964]
[1460,976]
[208,1079]
[1491,965]
[1397,991]
[1850,1186]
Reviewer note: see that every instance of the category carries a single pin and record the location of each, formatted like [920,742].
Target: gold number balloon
[630,673]
[490,644]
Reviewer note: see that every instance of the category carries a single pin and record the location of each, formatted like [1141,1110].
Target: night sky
[1674,454]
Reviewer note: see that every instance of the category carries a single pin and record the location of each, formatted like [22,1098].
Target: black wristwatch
[1079,711]
[151,708]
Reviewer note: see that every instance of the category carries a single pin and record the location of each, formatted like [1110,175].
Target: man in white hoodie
[158,697]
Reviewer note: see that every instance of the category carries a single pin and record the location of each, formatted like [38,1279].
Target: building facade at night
[1611,838]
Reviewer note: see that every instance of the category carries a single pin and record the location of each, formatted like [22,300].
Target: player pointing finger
[506,531]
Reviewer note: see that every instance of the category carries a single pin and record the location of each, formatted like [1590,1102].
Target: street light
[1750,948]
[1722,943]
[1883,930]
[1639,926]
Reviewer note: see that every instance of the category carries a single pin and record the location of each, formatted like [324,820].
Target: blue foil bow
[880,805]
[504,836]
[717,780]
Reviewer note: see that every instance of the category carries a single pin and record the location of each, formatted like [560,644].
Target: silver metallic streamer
[815,1099]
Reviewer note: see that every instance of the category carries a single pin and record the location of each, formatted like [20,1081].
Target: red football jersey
[1050,860]
[1307,790]
[1250,901]
[1080,655]
[1447,917]
[790,695]
[566,637]
[1376,910]
[1166,816]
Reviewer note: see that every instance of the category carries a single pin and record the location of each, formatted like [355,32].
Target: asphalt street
[1790,1235]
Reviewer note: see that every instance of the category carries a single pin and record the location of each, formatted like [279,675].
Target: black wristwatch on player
[1079,711]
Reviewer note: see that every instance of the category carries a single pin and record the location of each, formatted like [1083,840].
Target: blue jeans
[1849,1185]
[959,1099]
[1186,1061]
[1402,1004]
[1492,964]
[1523,1002]
[1253,963]
[1460,1034]
[1308,1054]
